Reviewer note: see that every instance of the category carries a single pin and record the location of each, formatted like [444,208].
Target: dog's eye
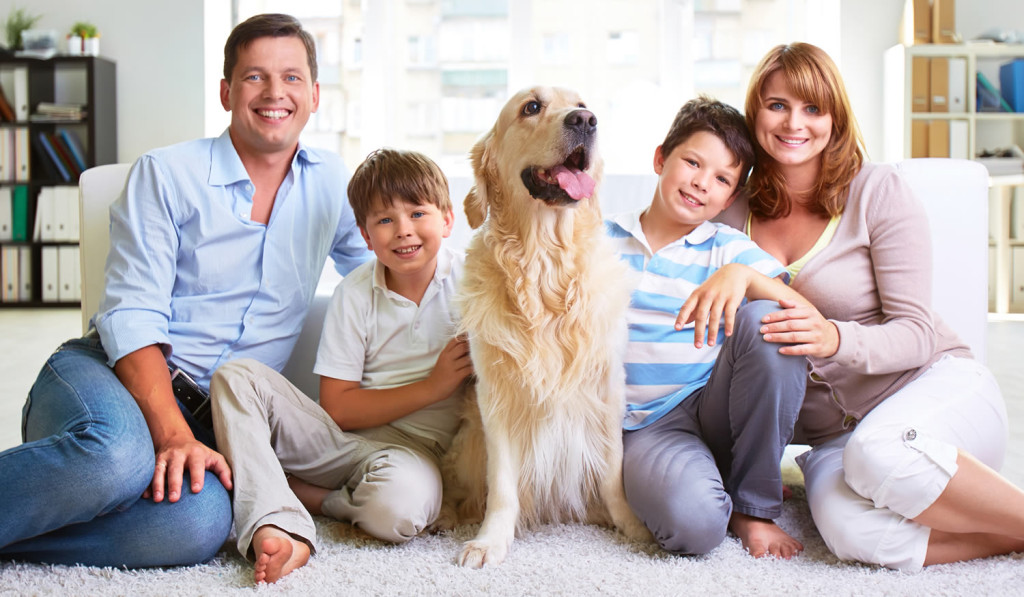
[531,108]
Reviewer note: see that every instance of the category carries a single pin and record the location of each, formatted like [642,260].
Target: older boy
[705,426]
[390,368]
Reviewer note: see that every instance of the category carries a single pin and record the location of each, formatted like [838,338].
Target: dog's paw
[636,530]
[476,553]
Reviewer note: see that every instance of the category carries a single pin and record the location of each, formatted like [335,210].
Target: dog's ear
[476,200]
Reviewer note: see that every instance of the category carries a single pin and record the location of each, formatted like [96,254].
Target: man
[216,249]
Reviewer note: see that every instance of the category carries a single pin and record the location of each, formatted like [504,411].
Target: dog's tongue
[576,183]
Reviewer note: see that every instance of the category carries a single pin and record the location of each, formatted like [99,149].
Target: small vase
[74,45]
[91,46]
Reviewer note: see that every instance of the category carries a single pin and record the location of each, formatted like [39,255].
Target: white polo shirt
[382,339]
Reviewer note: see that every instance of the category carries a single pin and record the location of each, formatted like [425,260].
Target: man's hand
[174,457]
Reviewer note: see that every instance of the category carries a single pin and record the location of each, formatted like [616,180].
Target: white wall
[167,88]
[158,47]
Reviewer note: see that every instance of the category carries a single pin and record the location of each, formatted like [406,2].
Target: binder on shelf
[919,139]
[46,207]
[21,93]
[19,213]
[944,22]
[957,98]
[6,154]
[74,144]
[65,213]
[67,274]
[21,154]
[938,139]
[958,140]
[6,215]
[1011,82]
[9,274]
[939,97]
[920,84]
[51,153]
[25,273]
[916,27]
[6,111]
[48,269]
[989,98]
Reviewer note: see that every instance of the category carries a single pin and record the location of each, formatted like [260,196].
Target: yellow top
[823,240]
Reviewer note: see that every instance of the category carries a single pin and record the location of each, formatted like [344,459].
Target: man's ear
[225,95]
[659,161]
[316,95]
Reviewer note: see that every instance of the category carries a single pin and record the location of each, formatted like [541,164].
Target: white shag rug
[554,560]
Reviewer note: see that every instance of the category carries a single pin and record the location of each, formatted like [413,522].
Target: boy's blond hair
[388,175]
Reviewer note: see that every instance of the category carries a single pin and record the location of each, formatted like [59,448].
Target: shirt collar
[226,167]
[630,222]
[442,271]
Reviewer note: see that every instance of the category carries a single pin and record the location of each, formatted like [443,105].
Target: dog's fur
[543,300]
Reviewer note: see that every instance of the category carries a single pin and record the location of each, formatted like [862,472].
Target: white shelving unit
[985,130]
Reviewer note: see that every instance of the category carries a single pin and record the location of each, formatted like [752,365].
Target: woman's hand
[715,300]
[804,328]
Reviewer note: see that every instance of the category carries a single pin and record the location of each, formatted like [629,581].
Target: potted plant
[18,20]
[84,39]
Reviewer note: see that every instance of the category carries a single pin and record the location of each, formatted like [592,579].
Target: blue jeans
[71,492]
[720,449]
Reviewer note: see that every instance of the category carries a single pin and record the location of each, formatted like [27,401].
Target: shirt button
[909,435]
[248,187]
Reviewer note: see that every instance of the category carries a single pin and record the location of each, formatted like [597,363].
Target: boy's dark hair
[267,25]
[388,175]
[719,119]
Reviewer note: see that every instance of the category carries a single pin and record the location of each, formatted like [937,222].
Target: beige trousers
[383,480]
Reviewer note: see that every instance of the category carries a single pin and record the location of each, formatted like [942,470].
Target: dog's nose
[581,120]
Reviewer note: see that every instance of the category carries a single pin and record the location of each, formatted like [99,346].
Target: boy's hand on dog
[453,366]
[715,300]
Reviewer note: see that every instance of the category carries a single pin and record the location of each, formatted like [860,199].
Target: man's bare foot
[311,496]
[761,537]
[277,553]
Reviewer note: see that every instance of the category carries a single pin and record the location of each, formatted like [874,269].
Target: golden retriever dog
[543,302]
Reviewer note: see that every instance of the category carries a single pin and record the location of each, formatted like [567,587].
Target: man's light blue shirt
[188,270]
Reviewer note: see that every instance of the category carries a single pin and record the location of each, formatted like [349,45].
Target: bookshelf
[979,131]
[37,190]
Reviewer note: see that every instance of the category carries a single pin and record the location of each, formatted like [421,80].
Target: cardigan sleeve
[896,331]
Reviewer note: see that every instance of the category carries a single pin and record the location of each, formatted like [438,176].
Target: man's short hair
[388,175]
[719,119]
[267,25]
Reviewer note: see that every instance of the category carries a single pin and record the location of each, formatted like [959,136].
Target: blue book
[75,145]
[52,152]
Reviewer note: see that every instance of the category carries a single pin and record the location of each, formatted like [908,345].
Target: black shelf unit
[87,80]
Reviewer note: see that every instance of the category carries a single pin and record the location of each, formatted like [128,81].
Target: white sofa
[955,193]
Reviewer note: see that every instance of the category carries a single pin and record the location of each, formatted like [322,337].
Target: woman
[906,428]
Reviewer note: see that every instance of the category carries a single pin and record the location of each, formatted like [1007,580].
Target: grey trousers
[720,449]
[266,428]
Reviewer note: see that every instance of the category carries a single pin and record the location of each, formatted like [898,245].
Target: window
[433,74]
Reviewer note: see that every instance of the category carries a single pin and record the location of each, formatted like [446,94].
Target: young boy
[370,452]
[705,427]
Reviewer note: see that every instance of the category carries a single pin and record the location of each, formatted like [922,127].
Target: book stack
[64,154]
[53,112]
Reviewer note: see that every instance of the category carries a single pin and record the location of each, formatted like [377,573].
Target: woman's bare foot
[311,496]
[277,553]
[761,537]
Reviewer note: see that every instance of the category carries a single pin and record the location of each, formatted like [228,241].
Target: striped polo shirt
[662,365]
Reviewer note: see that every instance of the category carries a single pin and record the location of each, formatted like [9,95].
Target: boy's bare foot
[277,553]
[311,496]
[761,537]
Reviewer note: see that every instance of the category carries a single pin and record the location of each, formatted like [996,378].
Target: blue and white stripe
[662,365]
